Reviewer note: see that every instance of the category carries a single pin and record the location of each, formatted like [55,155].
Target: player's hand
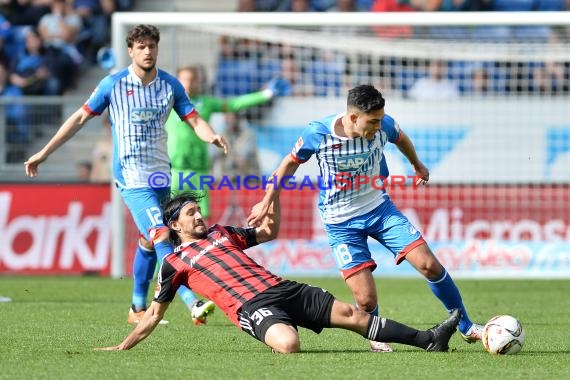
[422,174]
[279,86]
[220,142]
[258,212]
[32,164]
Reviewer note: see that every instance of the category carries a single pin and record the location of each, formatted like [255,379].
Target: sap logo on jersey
[143,115]
[350,163]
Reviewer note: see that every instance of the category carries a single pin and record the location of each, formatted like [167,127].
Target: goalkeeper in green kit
[188,154]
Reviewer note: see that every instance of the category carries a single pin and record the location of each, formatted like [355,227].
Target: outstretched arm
[287,168]
[64,133]
[206,133]
[269,229]
[148,322]
[275,87]
[406,146]
[242,102]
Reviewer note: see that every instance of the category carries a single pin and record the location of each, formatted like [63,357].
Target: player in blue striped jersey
[350,146]
[139,99]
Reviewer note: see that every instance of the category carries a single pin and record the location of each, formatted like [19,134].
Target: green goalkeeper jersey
[186,150]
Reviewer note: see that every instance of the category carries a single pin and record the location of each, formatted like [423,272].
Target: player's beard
[200,232]
[150,68]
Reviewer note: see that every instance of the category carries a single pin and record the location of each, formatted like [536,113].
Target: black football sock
[389,331]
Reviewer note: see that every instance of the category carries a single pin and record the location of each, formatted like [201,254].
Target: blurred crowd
[400,5]
[244,65]
[324,72]
[44,45]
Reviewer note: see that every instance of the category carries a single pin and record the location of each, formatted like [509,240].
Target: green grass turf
[50,328]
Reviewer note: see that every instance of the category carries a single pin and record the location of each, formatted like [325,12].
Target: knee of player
[287,344]
[159,234]
[349,312]
[430,269]
[283,338]
[434,271]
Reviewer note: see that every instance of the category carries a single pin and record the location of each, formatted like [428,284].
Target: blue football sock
[143,271]
[444,288]
[187,296]
[162,249]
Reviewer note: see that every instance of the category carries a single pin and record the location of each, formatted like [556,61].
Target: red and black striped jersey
[217,268]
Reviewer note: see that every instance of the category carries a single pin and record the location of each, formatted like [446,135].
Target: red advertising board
[53,229]
[490,212]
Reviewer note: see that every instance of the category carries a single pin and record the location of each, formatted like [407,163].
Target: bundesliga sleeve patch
[298,146]
[397,127]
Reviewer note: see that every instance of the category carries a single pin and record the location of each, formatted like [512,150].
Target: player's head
[193,79]
[365,98]
[143,32]
[365,108]
[142,43]
[183,216]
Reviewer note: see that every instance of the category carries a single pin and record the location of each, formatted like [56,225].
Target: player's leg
[146,209]
[145,257]
[353,258]
[270,324]
[143,270]
[144,206]
[315,308]
[355,263]
[363,290]
[444,288]
[397,234]
[386,330]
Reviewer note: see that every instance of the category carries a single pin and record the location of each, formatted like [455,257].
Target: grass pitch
[50,328]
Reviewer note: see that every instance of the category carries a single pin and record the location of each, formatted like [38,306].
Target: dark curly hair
[142,32]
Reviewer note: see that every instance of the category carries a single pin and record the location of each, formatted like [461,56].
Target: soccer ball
[503,335]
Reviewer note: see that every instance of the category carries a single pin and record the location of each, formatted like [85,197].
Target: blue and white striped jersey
[138,114]
[340,160]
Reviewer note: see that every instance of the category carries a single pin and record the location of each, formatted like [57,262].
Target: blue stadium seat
[513,5]
[235,77]
[551,5]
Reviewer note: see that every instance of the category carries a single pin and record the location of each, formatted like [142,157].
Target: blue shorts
[145,205]
[385,223]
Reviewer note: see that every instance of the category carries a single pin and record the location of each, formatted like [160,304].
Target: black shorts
[290,303]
